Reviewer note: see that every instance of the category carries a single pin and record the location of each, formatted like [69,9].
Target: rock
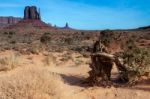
[31,12]
[66,26]
[6,21]
[31,17]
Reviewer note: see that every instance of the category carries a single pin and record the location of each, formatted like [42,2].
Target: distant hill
[146,27]
[66,27]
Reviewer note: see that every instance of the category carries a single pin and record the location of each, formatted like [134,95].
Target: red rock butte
[7,21]
[32,18]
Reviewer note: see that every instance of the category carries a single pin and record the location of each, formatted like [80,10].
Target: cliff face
[31,12]
[6,21]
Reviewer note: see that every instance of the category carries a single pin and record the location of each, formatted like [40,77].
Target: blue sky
[85,14]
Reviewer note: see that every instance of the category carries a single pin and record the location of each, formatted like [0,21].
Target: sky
[85,14]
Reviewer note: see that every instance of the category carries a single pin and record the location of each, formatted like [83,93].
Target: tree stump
[101,67]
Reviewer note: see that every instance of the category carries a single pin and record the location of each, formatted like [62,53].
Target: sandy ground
[73,71]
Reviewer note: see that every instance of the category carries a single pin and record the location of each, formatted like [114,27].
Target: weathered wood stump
[101,67]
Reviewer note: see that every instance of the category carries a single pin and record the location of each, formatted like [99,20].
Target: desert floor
[56,75]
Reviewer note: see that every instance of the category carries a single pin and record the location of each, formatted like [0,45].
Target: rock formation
[31,18]
[31,12]
[65,27]
[6,21]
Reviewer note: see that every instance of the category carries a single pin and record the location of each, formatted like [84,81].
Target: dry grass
[49,60]
[8,63]
[32,83]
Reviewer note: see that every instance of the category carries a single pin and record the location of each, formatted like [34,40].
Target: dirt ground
[73,70]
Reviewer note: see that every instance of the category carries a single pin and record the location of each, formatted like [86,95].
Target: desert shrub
[45,38]
[6,33]
[8,63]
[13,42]
[136,60]
[9,36]
[27,38]
[11,33]
[33,50]
[106,37]
[82,33]
[68,41]
[147,37]
[87,37]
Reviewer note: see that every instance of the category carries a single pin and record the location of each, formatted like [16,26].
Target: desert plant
[32,83]
[82,33]
[106,37]
[6,33]
[34,51]
[11,33]
[147,36]
[49,60]
[45,38]
[8,63]
[136,60]
[13,42]
[68,41]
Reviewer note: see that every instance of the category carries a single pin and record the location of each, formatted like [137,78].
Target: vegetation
[106,37]
[32,83]
[69,41]
[136,60]
[8,63]
[147,37]
[45,38]
[9,33]
[49,60]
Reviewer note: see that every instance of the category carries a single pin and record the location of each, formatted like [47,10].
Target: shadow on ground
[80,81]
[75,80]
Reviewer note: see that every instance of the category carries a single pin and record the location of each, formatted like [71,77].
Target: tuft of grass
[49,60]
[8,63]
[32,83]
